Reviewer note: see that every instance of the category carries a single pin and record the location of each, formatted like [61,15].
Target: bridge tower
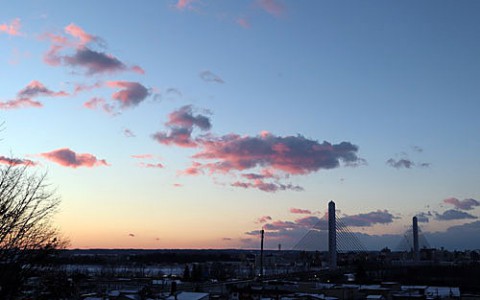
[416,251]
[262,232]
[332,236]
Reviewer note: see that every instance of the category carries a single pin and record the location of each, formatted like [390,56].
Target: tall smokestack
[261,254]
[416,252]
[332,236]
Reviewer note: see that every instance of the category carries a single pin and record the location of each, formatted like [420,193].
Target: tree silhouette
[27,236]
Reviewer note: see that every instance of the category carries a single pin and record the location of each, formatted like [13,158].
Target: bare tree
[27,235]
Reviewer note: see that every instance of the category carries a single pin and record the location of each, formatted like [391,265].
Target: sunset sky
[195,123]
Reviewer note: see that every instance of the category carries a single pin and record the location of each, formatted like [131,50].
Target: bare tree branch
[26,232]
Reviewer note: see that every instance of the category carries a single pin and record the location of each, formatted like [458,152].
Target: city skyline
[194,124]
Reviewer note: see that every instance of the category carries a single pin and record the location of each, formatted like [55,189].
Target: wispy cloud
[16,161]
[128,133]
[368,219]
[68,158]
[183,4]
[272,7]
[100,103]
[37,89]
[194,169]
[20,103]
[209,76]
[80,87]
[142,156]
[417,149]
[465,204]
[405,162]
[263,219]
[424,217]
[138,70]
[80,34]
[294,210]
[271,187]
[453,214]
[400,163]
[244,22]
[25,97]
[151,165]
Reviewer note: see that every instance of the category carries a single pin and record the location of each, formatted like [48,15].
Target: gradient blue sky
[229,104]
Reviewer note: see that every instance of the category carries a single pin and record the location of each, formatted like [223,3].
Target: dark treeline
[174,256]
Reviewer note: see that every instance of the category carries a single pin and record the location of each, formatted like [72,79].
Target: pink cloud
[277,157]
[79,33]
[280,225]
[184,117]
[177,185]
[243,22]
[194,169]
[466,204]
[99,103]
[263,219]
[177,136]
[51,57]
[68,158]
[86,87]
[152,166]
[20,103]
[272,7]
[37,89]
[291,229]
[182,4]
[292,154]
[312,222]
[130,94]
[138,70]
[16,161]
[94,62]
[181,123]
[300,211]
[11,29]
[142,156]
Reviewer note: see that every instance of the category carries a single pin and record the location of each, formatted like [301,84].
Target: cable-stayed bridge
[316,239]
[335,237]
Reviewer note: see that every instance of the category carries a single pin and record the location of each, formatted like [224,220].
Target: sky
[195,123]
